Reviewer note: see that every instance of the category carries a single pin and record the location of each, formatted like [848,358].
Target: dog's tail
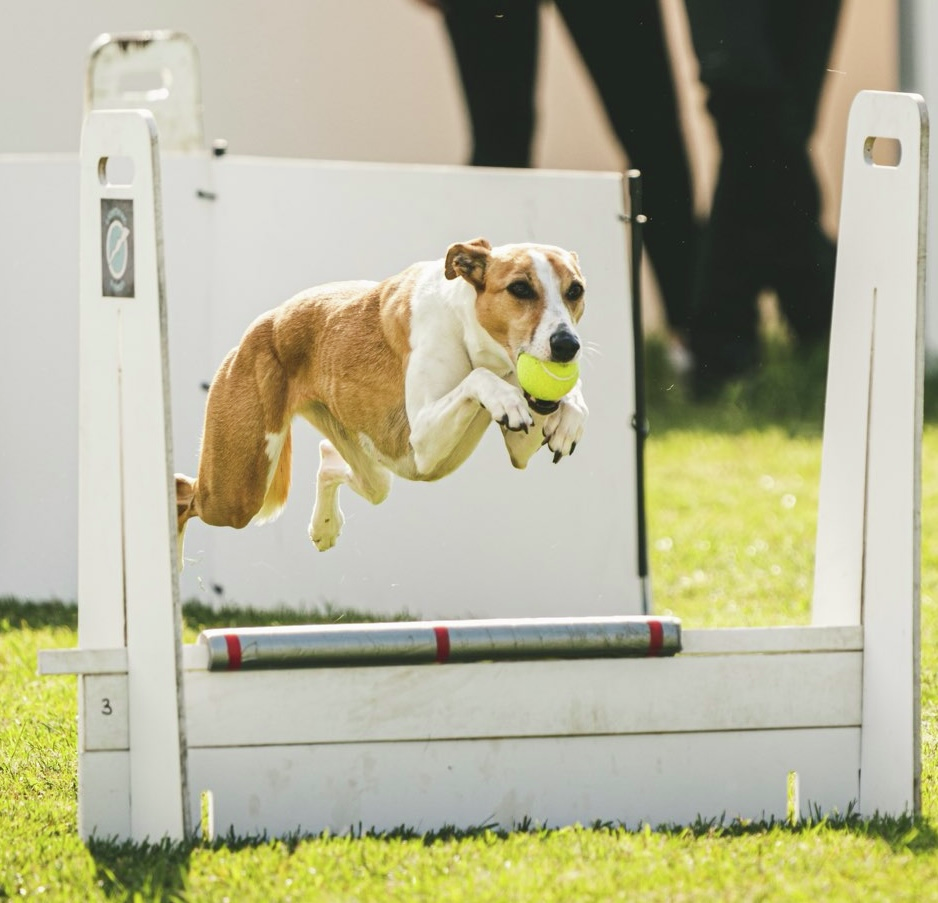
[185,508]
[279,486]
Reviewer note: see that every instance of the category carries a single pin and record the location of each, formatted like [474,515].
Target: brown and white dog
[401,376]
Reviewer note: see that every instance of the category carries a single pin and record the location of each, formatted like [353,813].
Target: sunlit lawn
[732,499]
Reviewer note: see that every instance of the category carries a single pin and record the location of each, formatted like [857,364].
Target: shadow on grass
[159,871]
[135,871]
[901,833]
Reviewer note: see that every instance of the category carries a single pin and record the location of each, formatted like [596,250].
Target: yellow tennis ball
[546,380]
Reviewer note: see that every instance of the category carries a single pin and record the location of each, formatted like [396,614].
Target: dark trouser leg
[803,33]
[495,44]
[631,69]
[724,323]
[763,77]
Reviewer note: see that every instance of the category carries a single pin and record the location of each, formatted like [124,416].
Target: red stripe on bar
[655,637]
[234,651]
[442,644]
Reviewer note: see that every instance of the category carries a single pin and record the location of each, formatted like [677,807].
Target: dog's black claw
[544,441]
[503,421]
[572,447]
[557,456]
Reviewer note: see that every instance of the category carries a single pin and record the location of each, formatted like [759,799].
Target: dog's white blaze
[555,313]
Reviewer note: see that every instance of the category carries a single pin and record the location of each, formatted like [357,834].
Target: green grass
[732,497]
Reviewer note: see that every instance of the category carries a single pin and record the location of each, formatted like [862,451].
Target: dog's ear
[468,259]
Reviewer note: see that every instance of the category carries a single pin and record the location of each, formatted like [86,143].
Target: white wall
[332,79]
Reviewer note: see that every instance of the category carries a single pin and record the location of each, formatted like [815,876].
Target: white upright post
[868,544]
[167,64]
[127,580]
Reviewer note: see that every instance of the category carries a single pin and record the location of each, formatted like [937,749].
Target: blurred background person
[763,63]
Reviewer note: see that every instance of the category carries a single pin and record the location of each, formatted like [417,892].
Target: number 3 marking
[106,707]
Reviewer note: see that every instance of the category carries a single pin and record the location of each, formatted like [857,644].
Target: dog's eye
[575,292]
[522,290]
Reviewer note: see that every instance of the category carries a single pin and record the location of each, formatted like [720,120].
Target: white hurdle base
[750,722]
[719,728]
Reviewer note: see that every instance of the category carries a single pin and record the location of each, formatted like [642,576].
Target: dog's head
[529,297]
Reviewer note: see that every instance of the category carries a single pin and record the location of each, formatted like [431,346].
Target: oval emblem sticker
[117,248]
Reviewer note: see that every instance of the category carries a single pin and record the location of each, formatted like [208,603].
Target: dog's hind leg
[326,522]
[367,478]
[245,456]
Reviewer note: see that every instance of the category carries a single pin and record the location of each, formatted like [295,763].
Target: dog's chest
[490,357]
[444,327]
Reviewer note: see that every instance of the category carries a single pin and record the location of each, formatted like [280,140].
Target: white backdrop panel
[487,541]
[38,376]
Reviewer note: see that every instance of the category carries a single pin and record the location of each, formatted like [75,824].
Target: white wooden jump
[729,725]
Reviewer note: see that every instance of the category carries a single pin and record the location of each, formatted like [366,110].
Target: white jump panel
[429,702]
[242,235]
[430,745]
[565,780]
[648,779]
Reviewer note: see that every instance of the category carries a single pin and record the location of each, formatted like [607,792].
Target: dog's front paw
[507,406]
[564,428]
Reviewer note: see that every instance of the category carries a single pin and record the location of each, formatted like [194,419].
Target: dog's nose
[564,345]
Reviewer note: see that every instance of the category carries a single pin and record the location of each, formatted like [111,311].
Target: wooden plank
[195,657]
[633,779]
[102,792]
[82,661]
[101,621]
[743,640]
[589,698]
[151,582]
[583,698]
[710,641]
[895,199]
[101,616]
